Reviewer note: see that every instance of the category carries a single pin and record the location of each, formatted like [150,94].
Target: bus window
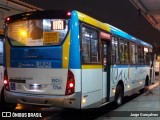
[123,49]
[39,32]
[90,51]
[140,55]
[115,55]
[133,53]
[104,54]
[126,51]
[145,54]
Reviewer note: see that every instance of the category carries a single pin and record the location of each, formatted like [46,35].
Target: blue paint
[74,58]
[123,34]
[128,66]
[36,57]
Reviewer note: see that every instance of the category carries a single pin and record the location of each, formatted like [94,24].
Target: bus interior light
[145,49]
[23,33]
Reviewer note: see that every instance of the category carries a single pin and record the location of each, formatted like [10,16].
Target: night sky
[119,13]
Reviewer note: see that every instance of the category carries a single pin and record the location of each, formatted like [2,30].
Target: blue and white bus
[71,60]
[3,104]
[1,67]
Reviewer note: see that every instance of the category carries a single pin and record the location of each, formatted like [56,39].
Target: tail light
[70,83]
[6,81]
[69,13]
[8,19]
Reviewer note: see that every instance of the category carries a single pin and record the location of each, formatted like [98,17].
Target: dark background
[119,13]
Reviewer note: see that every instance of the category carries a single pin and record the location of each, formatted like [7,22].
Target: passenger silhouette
[34,31]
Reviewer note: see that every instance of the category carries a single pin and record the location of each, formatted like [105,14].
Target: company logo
[15,114]
[6,114]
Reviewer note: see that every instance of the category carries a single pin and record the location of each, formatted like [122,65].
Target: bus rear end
[37,58]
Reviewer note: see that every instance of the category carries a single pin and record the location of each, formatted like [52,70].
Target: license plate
[35,87]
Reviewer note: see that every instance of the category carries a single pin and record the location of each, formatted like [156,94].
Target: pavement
[144,107]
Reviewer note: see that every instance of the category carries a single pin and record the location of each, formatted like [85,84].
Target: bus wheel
[6,106]
[119,95]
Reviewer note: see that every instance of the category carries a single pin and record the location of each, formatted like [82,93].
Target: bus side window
[146,50]
[148,58]
[104,54]
[90,49]
[140,54]
[133,53]
[115,51]
[123,49]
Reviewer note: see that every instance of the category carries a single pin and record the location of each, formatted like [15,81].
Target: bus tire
[6,106]
[119,95]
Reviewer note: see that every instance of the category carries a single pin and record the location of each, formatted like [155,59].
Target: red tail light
[8,19]
[70,83]
[5,81]
[69,13]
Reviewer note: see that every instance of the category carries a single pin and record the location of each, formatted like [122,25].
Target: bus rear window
[43,32]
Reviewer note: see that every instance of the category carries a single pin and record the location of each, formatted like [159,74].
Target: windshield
[41,32]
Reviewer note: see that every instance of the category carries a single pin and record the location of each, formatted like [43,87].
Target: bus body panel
[70,101]
[37,67]
[77,76]
[104,86]
[74,52]
[91,86]
[92,99]
[1,80]
[50,57]
[132,76]
[38,81]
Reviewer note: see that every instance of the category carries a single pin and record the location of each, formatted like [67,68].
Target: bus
[1,66]
[71,60]
[6,106]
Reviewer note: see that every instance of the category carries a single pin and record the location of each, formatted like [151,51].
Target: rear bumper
[70,101]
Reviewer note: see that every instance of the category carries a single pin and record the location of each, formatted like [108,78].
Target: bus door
[106,62]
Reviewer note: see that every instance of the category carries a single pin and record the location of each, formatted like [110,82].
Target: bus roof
[110,28]
[123,34]
[92,21]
